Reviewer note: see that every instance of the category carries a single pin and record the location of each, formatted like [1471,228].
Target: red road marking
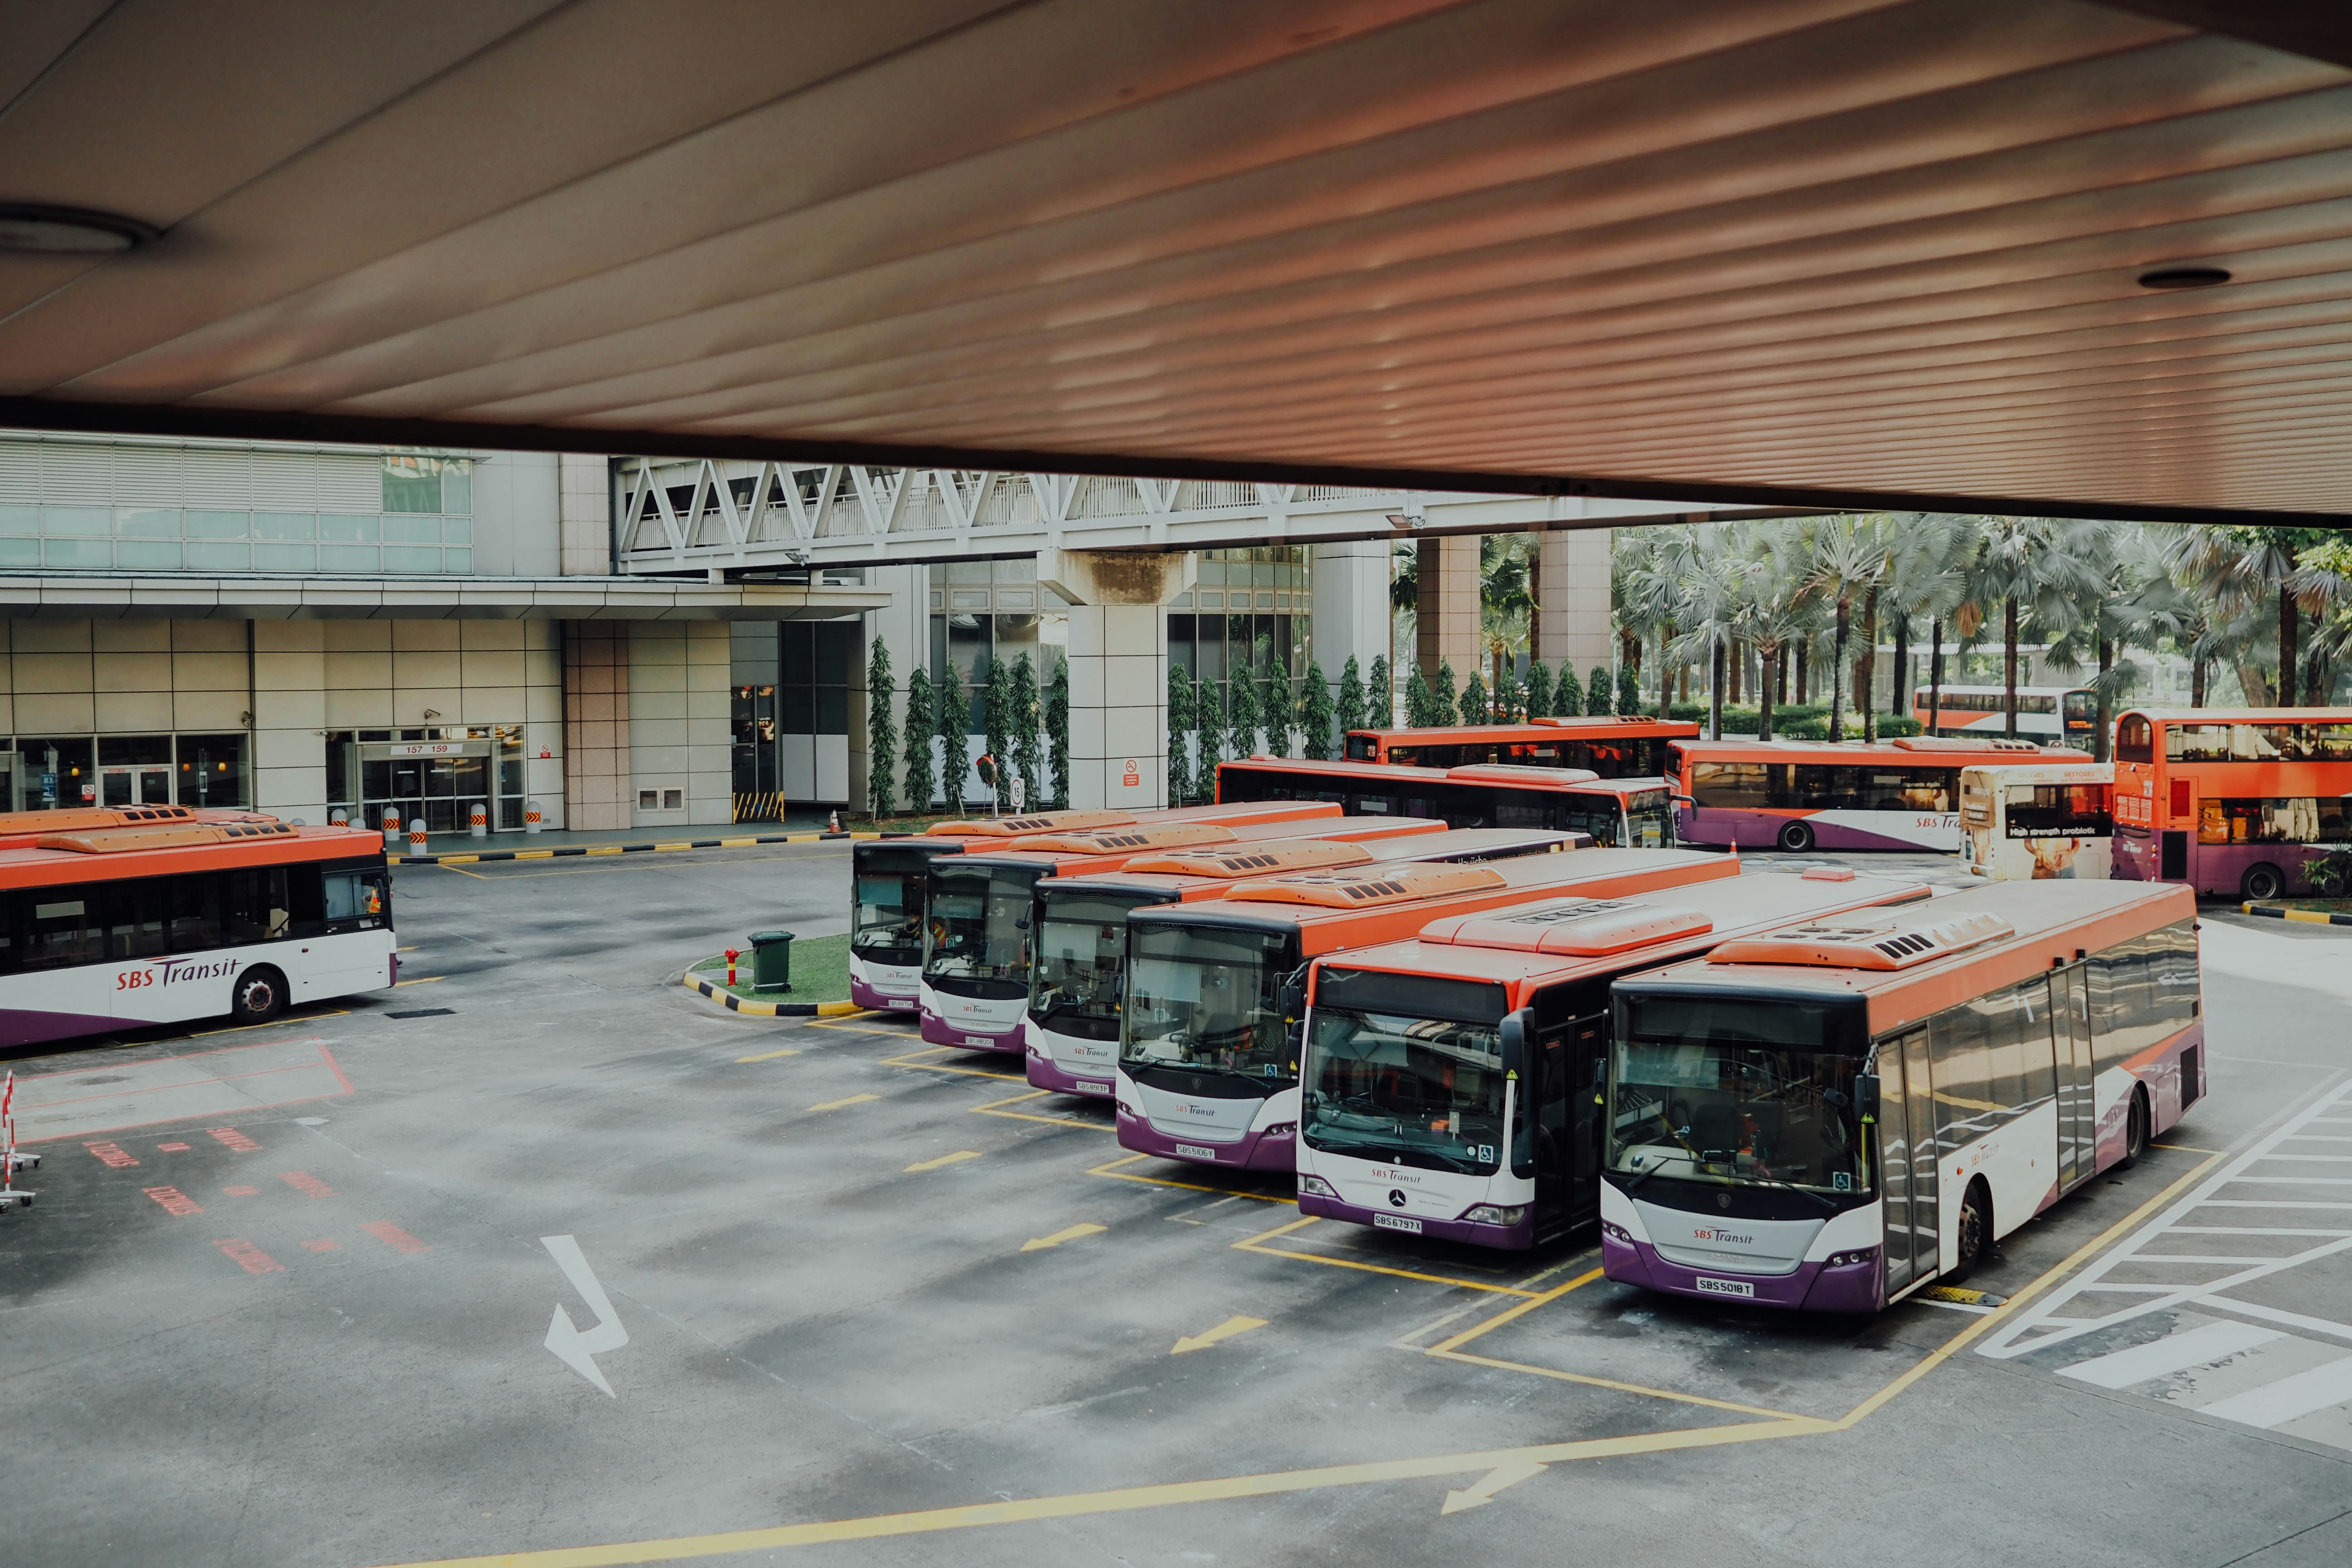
[241,1192]
[113,1154]
[322,1246]
[306,1184]
[251,1258]
[233,1139]
[173,1148]
[392,1235]
[173,1200]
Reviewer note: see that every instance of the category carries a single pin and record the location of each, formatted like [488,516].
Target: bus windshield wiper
[1821,1199]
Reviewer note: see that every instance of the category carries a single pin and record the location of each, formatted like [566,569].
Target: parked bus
[1450,1085]
[1831,1115]
[1208,1064]
[2046,715]
[2236,802]
[115,928]
[977,933]
[2024,821]
[1803,795]
[1602,745]
[886,880]
[1077,985]
[1623,813]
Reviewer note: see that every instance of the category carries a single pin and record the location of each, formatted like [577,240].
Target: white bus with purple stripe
[1805,795]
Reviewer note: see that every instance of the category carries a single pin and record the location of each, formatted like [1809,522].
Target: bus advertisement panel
[2023,822]
[1450,1085]
[1619,812]
[888,879]
[1078,984]
[1801,796]
[1602,744]
[2231,802]
[1208,1067]
[160,924]
[1830,1116]
[978,937]
[2047,715]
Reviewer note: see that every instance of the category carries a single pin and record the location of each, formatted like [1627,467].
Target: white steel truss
[705,514]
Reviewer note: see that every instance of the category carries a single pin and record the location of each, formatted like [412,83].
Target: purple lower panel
[865,995]
[25,1027]
[1044,1072]
[1507,1237]
[1255,1152]
[1814,1286]
[939,1031]
[1831,836]
[1763,832]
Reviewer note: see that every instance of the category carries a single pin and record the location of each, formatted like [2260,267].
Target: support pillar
[596,725]
[1445,608]
[1118,671]
[1572,618]
[1352,609]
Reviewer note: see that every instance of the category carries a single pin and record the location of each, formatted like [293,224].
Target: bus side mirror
[1515,1056]
[1294,995]
[1865,1097]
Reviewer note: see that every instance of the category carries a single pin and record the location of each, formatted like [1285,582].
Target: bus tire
[1972,1231]
[1796,837]
[258,996]
[2134,1130]
[2263,881]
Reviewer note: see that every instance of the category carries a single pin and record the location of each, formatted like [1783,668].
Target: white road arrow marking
[1495,1480]
[575,1349]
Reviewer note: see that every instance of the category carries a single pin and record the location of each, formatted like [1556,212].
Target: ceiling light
[2183,278]
[31,226]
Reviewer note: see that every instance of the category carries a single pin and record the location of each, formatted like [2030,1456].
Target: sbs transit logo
[1716,1234]
[172,973]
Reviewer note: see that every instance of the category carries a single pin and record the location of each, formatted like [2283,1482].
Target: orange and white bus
[1077,982]
[114,928]
[2024,821]
[1622,813]
[1602,745]
[2236,802]
[1804,794]
[1830,1116]
[2046,715]
[1208,1066]
[1450,1084]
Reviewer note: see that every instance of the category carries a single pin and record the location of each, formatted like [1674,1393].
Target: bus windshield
[1733,1091]
[1076,987]
[888,910]
[1649,820]
[2057,811]
[1599,814]
[980,924]
[1404,1089]
[1202,997]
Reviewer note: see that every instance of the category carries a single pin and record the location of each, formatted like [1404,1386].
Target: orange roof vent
[1594,720]
[1970,744]
[1305,854]
[1583,928]
[1878,944]
[1519,772]
[1369,889]
[1050,822]
[1149,836]
[163,836]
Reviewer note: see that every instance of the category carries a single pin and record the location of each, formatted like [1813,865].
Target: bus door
[2069,1003]
[2172,864]
[1587,1065]
[1907,1158]
[1554,1135]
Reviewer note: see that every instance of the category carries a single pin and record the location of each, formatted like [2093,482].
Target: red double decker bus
[1612,747]
[2231,801]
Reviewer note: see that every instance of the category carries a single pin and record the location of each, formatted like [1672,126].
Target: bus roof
[1072,854]
[2241,715]
[1385,917]
[1910,964]
[1539,729]
[1233,814]
[108,855]
[2044,772]
[1923,692]
[20,828]
[1428,841]
[1565,779]
[1532,945]
[1910,750]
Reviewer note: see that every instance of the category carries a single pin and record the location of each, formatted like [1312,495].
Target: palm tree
[1926,576]
[2038,570]
[1776,609]
[2236,567]
[1506,606]
[1708,610]
[1849,557]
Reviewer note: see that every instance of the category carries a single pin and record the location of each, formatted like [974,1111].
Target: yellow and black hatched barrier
[766,807]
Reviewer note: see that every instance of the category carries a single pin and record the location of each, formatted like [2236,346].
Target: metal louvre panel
[77,473]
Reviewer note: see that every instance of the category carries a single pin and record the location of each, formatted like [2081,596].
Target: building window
[438,775]
[413,483]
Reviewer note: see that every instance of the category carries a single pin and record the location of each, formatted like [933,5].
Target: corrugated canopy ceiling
[1805,251]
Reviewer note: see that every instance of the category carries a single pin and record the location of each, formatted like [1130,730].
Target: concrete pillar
[1351,606]
[904,628]
[1572,618]
[585,520]
[1118,672]
[290,719]
[1445,613]
[596,725]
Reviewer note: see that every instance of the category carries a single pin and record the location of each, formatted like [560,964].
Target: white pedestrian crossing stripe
[2238,1373]
[2174,1352]
[2290,1398]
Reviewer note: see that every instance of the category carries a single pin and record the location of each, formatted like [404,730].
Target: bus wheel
[259,996]
[2135,1130]
[1972,1231]
[2263,881]
[1796,837]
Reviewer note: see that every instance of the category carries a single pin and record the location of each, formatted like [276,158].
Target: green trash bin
[772,961]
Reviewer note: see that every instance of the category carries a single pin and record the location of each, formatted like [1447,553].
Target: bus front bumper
[1814,1287]
[1266,1149]
[1046,1073]
[1515,1238]
[940,1031]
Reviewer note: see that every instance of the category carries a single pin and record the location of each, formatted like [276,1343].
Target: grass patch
[820,972]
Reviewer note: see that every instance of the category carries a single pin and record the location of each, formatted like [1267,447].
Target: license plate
[1707,1286]
[981,1041]
[1195,1152]
[1086,1088]
[1396,1222]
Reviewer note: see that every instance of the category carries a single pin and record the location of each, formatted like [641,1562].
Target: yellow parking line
[990,1110]
[427,979]
[908,1061]
[1112,1169]
[959,1157]
[768,1055]
[852,1099]
[1251,1245]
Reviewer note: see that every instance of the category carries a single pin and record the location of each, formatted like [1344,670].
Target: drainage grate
[425,1013]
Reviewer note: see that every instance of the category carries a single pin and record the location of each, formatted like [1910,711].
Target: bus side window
[60,927]
[1509,809]
[355,900]
[306,900]
[253,905]
[134,918]
[1963,1038]
[194,898]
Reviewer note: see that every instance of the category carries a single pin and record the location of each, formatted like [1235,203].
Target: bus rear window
[2135,739]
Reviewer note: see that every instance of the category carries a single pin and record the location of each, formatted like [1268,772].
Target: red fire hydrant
[731,953]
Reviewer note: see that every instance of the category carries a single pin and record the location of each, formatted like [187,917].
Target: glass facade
[438,775]
[1248,602]
[987,610]
[65,772]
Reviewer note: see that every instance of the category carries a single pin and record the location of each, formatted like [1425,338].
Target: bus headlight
[1316,1187]
[1281,1130]
[1497,1213]
[1616,1232]
[1847,1259]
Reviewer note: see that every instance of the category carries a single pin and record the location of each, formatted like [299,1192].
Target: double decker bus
[1450,1085]
[978,936]
[888,879]
[1208,1059]
[2023,822]
[2231,801]
[1602,745]
[1831,1115]
[1630,812]
[161,921]
[2047,715]
[1800,795]
[1077,985]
